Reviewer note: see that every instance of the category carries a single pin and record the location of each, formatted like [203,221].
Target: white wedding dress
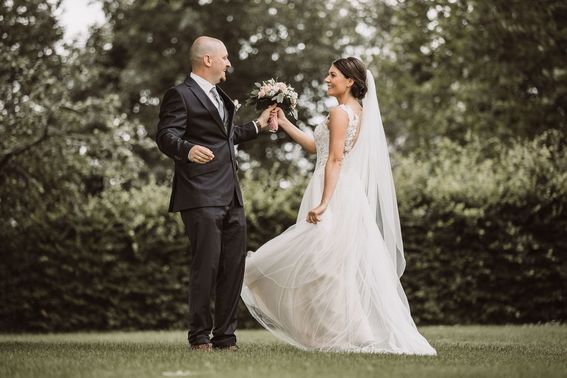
[332,286]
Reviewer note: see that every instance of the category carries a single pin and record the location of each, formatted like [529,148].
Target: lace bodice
[321,135]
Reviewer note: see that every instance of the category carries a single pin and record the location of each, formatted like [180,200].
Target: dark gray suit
[209,199]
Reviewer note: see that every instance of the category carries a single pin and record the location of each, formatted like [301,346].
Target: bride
[331,281]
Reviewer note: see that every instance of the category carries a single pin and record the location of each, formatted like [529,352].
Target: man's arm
[250,130]
[246,132]
[171,127]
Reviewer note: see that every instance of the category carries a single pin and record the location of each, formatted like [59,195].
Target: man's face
[219,64]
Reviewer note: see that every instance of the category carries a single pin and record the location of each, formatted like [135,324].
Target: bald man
[196,131]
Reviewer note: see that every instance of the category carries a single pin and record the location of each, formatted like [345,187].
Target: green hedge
[118,261]
[483,229]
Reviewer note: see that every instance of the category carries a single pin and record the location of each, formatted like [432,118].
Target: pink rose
[281,86]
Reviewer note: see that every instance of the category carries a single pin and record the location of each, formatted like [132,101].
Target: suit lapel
[205,101]
[229,106]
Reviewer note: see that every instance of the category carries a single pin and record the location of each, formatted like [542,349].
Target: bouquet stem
[273,123]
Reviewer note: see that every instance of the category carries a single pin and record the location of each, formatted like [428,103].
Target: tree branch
[44,136]
[21,149]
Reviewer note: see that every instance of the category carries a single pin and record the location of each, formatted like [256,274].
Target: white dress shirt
[206,87]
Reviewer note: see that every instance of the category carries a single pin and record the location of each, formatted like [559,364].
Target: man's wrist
[258,124]
[189,152]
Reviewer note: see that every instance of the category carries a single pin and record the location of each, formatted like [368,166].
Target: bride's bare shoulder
[337,117]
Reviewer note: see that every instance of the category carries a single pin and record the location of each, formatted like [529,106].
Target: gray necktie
[220,104]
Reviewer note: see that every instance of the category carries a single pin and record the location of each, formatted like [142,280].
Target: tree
[146,47]
[454,67]
[75,196]
[53,142]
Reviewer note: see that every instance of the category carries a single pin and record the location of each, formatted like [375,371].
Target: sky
[77,15]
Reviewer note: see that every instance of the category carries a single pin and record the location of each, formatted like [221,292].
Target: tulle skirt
[332,286]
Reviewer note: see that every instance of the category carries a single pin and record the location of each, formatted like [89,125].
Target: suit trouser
[218,251]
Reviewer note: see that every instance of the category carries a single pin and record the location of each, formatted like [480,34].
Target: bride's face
[337,83]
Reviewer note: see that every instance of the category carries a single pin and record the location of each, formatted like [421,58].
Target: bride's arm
[338,123]
[302,138]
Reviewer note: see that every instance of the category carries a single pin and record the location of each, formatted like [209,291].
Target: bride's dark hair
[353,69]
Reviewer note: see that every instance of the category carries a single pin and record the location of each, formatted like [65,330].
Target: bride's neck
[346,98]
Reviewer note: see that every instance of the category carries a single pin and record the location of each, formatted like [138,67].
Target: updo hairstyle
[353,69]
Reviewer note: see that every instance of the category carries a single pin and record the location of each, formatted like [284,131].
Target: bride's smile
[337,83]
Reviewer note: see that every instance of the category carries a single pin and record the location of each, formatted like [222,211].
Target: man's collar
[203,83]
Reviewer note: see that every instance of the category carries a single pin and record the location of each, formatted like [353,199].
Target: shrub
[116,261]
[483,227]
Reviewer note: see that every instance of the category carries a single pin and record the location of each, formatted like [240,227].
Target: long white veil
[371,159]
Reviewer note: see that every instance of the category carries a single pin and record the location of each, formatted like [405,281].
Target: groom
[196,130]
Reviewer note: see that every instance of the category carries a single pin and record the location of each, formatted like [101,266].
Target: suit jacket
[187,118]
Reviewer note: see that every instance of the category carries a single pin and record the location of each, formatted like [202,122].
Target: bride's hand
[281,117]
[314,215]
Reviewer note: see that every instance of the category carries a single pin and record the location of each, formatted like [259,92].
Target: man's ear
[207,60]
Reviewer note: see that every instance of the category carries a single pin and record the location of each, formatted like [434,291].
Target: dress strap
[348,111]
[352,129]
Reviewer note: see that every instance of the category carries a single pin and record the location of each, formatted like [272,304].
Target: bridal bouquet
[274,92]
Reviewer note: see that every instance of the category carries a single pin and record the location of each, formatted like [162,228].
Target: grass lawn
[464,351]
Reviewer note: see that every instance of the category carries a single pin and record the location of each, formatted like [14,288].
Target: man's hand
[200,155]
[265,116]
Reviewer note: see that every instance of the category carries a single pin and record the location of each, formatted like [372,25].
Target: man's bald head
[209,59]
[204,46]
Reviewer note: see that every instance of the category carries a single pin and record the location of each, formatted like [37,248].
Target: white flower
[237,105]
[281,86]
[275,91]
